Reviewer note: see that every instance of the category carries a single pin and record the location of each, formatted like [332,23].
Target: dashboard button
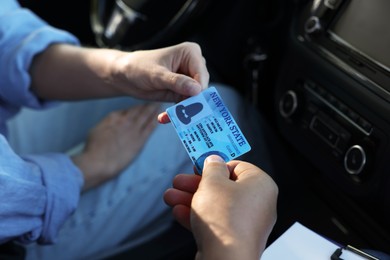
[324,131]
[313,25]
[365,125]
[355,160]
[352,115]
[288,104]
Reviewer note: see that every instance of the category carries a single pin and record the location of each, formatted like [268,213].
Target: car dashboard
[332,105]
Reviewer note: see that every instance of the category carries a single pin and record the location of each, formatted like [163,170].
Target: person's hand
[166,74]
[65,72]
[231,218]
[114,143]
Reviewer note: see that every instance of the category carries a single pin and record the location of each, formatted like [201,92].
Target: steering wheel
[140,24]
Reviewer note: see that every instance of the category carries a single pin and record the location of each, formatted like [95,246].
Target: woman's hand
[167,74]
[114,143]
[65,72]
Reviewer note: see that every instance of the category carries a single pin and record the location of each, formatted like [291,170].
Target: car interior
[318,73]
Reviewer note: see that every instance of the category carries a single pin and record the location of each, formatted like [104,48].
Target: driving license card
[205,126]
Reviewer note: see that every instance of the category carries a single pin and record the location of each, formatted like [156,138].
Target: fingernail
[194,88]
[214,158]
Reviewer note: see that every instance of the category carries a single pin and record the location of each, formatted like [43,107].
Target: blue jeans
[128,210]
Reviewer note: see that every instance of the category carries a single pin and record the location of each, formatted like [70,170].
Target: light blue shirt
[37,192]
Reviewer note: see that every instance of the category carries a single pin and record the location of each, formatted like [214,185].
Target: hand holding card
[205,126]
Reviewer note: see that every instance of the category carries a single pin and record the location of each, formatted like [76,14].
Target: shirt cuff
[63,182]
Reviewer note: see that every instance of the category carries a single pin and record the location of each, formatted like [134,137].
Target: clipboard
[301,243]
[343,252]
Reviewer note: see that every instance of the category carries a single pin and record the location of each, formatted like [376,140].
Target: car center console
[333,98]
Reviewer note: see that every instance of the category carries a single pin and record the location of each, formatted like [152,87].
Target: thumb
[215,167]
[182,84]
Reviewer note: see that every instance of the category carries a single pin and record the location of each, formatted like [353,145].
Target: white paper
[299,243]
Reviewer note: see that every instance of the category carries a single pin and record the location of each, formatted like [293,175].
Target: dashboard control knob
[288,104]
[355,159]
[313,25]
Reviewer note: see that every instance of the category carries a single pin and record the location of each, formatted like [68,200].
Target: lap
[130,207]
[59,128]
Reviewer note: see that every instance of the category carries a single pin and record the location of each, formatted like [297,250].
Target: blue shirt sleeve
[22,36]
[38,193]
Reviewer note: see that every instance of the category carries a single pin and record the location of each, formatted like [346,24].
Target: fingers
[142,117]
[180,201]
[180,197]
[189,75]
[184,186]
[244,171]
[163,118]
[173,197]
[182,85]
[196,64]
[215,168]
[182,215]
[187,182]
[201,74]
[145,117]
[248,175]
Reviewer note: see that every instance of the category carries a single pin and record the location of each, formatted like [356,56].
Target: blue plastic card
[205,126]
